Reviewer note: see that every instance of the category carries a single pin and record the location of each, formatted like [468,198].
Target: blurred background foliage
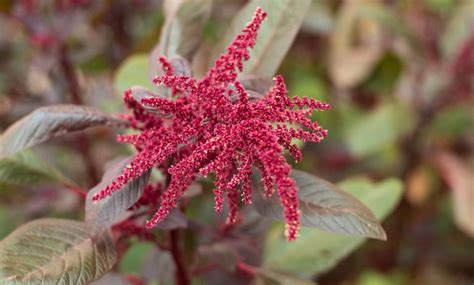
[400,78]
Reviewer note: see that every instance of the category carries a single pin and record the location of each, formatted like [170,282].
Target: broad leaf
[460,178]
[112,278]
[324,206]
[457,30]
[175,220]
[348,64]
[102,214]
[316,251]
[133,71]
[54,251]
[158,267]
[270,277]
[148,261]
[26,168]
[379,129]
[181,33]
[49,122]
[275,36]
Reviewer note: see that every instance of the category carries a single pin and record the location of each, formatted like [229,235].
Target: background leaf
[181,33]
[132,72]
[274,37]
[324,206]
[49,122]
[26,168]
[54,251]
[102,214]
[315,251]
[270,277]
[460,178]
[378,129]
[349,64]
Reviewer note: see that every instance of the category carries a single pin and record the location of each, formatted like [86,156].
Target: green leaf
[182,31]
[315,251]
[102,214]
[49,122]
[378,129]
[361,57]
[270,277]
[134,258]
[112,278]
[26,168]
[54,251]
[324,206]
[457,30]
[158,266]
[133,72]
[274,38]
[8,220]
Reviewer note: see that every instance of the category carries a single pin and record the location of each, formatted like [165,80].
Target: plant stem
[247,269]
[74,90]
[182,275]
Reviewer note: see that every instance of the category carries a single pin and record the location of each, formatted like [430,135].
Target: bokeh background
[399,75]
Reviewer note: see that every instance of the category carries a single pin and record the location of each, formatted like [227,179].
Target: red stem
[247,269]
[182,275]
[78,191]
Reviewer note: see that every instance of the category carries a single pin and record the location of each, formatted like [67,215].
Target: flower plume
[213,125]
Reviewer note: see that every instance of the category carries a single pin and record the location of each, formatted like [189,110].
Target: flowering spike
[213,126]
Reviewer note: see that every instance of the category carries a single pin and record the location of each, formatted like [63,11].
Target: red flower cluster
[212,125]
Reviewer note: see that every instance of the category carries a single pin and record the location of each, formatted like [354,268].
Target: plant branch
[246,269]
[75,93]
[182,275]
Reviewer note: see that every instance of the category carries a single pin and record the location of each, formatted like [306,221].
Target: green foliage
[102,214]
[275,36]
[181,33]
[134,259]
[269,277]
[377,129]
[452,122]
[49,122]
[324,206]
[26,168]
[315,251]
[132,72]
[54,251]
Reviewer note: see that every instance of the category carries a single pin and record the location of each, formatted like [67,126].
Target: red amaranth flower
[213,126]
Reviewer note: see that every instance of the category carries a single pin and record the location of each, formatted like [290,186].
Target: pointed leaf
[26,168]
[324,206]
[361,58]
[316,251]
[49,122]
[175,220]
[102,214]
[181,33]
[460,178]
[112,278]
[275,36]
[54,251]
[132,71]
